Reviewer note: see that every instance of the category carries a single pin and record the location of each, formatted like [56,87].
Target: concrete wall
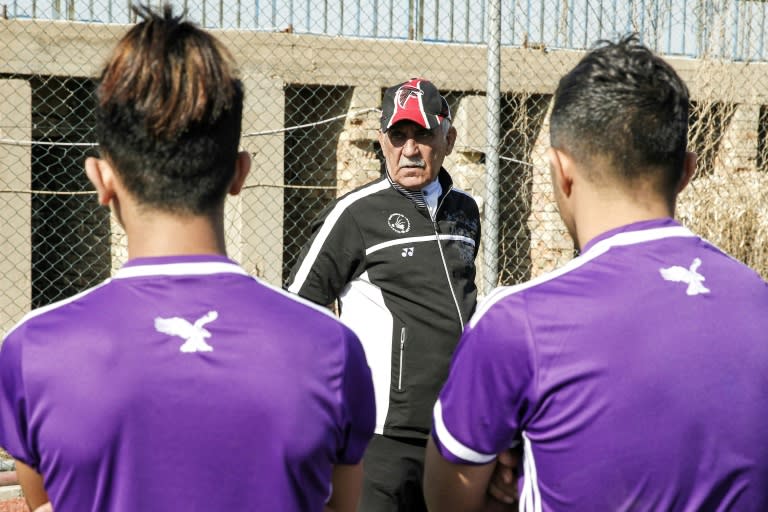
[269,62]
[37,47]
[16,211]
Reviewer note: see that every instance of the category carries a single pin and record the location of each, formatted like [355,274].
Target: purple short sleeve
[480,408]
[358,402]
[13,410]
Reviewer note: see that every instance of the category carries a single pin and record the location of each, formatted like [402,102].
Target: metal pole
[375,18]
[420,18]
[411,28]
[493,106]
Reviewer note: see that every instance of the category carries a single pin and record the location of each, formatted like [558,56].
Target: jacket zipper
[402,351]
[442,257]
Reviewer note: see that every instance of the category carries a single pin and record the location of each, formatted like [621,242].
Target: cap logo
[405,94]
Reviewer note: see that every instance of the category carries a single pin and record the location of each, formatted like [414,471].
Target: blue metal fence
[730,29]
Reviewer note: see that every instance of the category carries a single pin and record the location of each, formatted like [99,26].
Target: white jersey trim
[452,444]
[530,496]
[600,248]
[417,239]
[325,230]
[192,268]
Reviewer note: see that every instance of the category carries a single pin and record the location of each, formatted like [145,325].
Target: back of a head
[628,106]
[169,114]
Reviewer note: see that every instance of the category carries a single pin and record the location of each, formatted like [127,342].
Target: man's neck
[163,234]
[600,214]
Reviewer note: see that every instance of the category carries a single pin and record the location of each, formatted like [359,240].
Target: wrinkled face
[414,154]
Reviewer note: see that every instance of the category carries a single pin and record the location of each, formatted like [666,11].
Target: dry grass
[730,211]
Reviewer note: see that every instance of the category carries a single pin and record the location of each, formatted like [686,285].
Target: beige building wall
[269,61]
[16,209]
[255,217]
[356,161]
[738,148]
[550,244]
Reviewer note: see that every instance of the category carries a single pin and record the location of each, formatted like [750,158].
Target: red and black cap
[416,100]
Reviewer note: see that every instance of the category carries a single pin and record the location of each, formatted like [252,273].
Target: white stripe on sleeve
[453,445]
[325,230]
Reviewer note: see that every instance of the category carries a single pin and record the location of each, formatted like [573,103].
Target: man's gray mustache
[411,163]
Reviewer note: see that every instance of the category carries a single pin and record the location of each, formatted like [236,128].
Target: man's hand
[503,484]
[31,485]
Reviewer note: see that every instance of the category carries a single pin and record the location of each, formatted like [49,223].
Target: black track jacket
[406,286]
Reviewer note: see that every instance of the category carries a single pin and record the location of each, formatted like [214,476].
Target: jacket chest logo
[399,223]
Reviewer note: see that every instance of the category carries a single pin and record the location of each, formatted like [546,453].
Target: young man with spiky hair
[181,383]
[636,376]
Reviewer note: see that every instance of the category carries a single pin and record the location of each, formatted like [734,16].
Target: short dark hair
[623,103]
[169,113]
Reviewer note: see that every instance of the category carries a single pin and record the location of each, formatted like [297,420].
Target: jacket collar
[446,183]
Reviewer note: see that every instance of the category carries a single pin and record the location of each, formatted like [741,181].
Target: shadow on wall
[310,160]
[70,232]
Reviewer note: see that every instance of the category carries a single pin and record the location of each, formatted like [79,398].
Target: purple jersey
[636,377]
[184,384]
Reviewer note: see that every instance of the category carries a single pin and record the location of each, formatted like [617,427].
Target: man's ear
[102,175]
[689,169]
[450,139]
[561,168]
[242,169]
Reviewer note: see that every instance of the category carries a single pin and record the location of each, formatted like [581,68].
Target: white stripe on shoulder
[192,268]
[417,239]
[325,230]
[600,248]
[452,444]
[55,305]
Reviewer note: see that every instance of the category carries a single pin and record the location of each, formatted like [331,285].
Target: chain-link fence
[314,71]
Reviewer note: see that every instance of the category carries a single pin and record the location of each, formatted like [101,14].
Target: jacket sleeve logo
[399,223]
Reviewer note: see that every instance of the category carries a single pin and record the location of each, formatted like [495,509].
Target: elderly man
[398,254]
[636,376]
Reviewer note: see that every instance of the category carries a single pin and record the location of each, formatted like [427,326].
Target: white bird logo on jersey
[686,275]
[193,334]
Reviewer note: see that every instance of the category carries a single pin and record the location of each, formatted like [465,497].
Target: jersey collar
[198,264]
[636,232]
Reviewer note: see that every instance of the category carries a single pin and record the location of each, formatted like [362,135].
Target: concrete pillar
[464,163]
[469,120]
[16,211]
[738,148]
[356,162]
[551,246]
[254,219]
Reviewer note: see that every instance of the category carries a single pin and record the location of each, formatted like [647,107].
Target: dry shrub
[730,211]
